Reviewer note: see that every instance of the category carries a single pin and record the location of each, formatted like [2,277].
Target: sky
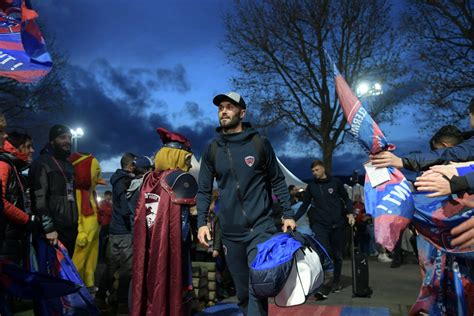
[136,66]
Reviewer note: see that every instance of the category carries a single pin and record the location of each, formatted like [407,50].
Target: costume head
[175,153]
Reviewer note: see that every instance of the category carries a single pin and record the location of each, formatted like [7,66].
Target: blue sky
[136,66]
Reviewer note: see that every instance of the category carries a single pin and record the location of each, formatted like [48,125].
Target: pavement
[393,288]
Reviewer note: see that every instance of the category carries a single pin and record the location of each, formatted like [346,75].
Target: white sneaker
[384,258]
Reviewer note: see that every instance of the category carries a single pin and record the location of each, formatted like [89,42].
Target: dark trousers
[119,258]
[239,257]
[332,239]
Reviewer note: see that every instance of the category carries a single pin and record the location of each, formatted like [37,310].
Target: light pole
[76,133]
[365,89]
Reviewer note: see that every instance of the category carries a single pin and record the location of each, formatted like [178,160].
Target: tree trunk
[327,149]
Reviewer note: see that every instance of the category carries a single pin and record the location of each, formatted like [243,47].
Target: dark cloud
[104,103]
[193,110]
[176,78]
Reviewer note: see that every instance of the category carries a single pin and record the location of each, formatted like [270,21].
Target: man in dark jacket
[330,209]
[119,251]
[246,170]
[51,179]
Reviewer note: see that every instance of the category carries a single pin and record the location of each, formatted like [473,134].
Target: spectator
[104,216]
[162,274]
[119,256]
[143,164]
[51,179]
[87,177]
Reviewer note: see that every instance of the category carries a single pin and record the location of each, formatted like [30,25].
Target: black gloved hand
[34,225]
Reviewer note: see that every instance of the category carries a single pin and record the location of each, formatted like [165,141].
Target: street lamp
[365,89]
[76,133]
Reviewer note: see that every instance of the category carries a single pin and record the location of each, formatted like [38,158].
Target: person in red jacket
[15,156]
[104,216]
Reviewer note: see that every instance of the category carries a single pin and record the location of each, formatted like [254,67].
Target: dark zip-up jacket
[244,183]
[49,176]
[422,161]
[120,223]
[329,202]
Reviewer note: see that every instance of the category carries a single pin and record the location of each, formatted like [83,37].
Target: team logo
[250,160]
[151,204]
[330,190]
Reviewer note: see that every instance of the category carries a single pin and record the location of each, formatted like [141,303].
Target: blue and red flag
[23,54]
[390,203]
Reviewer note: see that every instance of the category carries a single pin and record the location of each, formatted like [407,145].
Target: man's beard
[60,152]
[231,124]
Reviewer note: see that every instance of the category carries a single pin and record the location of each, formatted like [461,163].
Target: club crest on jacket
[330,190]
[152,201]
[249,160]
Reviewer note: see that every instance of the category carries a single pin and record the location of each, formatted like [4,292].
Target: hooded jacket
[14,197]
[49,176]
[329,202]
[120,223]
[244,183]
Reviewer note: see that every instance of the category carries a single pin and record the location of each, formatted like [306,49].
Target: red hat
[173,140]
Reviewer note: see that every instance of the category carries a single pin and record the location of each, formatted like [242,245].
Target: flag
[23,54]
[32,285]
[390,203]
[56,262]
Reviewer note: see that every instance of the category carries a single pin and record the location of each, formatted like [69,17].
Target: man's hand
[433,182]
[386,159]
[52,238]
[287,222]
[351,219]
[464,233]
[204,235]
[447,170]
[215,254]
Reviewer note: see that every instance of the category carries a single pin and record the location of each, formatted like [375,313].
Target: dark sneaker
[336,288]
[320,296]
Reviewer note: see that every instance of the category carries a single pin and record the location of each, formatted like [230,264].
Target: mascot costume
[162,280]
[87,176]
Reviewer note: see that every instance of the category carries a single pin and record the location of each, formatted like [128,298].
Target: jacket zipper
[239,194]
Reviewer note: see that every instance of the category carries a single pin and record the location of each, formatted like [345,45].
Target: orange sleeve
[12,213]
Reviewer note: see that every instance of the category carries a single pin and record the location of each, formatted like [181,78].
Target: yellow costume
[87,175]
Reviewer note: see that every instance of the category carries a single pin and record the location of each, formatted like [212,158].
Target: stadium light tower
[76,134]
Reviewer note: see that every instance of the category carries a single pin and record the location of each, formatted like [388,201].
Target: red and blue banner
[390,203]
[23,54]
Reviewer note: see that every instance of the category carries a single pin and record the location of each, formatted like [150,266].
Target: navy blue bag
[275,259]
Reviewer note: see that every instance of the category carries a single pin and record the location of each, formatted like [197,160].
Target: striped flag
[390,203]
[23,54]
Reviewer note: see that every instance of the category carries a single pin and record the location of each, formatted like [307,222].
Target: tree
[18,101]
[279,48]
[444,33]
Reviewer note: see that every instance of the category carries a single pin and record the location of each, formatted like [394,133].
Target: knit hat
[58,130]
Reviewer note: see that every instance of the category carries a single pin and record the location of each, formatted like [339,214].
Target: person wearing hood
[330,210]
[143,165]
[119,251]
[51,178]
[247,173]
[162,273]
